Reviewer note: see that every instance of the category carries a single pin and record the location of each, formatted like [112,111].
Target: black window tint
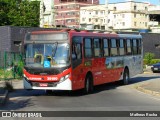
[139,46]
[114,50]
[97,47]
[121,43]
[76,48]
[129,52]
[88,47]
[105,47]
[113,43]
[135,47]
[121,47]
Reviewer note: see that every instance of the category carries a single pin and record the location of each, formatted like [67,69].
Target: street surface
[108,97]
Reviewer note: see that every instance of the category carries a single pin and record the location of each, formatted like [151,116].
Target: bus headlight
[64,78]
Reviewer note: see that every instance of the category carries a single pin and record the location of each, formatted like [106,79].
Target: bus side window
[129,52]
[87,48]
[76,51]
[121,47]
[135,47]
[114,47]
[105,48]
[97,52]
[139,46]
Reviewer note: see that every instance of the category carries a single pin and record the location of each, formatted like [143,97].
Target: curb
[147,72]
[154,93]
[3,99]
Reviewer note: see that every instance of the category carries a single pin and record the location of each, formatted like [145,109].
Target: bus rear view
[47,61]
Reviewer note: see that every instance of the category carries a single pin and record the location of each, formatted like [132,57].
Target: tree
[19,13]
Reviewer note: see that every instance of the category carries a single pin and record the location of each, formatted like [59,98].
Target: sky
[155,2]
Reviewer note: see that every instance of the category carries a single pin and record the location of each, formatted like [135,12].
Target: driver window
[76,51]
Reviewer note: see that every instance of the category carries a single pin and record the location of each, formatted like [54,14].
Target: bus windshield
[47,55]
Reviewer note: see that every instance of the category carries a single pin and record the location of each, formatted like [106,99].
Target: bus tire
[88,87]
[126,77]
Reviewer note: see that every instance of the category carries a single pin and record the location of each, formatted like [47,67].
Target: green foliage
[148,57]
[19,13]
[153,61]
[20,68]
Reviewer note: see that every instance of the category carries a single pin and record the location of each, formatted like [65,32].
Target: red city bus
[72,60]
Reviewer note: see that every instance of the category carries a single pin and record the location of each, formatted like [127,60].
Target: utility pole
[53,13]
[106,14]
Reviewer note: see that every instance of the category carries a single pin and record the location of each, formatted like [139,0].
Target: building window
[115,8]
[146,24]
[135,23]
[135,7]
[101,12]
[96,20]
[146,8]
[123,15]
[123,23]
[134,15]
[96,12]
[89,19]
[108,20]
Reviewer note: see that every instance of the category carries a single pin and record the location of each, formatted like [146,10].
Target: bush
[148,58]
[18,68]
[153,61]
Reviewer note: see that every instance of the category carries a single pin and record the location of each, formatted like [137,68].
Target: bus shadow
[16,104]
[142,79]
[103,87]
[97,89]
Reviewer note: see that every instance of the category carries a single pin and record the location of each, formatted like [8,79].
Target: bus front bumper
[65,85]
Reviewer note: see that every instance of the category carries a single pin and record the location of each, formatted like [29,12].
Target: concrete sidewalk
[17,84]
[150,87]
[3,93]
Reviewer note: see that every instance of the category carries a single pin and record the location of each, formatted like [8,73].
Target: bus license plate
[43,84]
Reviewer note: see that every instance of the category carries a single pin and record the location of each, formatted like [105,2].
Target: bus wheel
[126,77]
[88,88]
[48,92]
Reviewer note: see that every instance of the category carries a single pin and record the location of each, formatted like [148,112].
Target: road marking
[156,97]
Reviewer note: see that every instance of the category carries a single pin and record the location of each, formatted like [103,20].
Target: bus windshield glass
[47,55]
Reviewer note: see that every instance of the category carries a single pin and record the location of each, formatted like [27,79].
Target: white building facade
[121,16]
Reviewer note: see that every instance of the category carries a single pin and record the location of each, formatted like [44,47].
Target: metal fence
[11,65]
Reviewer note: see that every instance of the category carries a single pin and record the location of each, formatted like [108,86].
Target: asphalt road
[108,97]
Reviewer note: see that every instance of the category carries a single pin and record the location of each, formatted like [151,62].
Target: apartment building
[127,15]
[62,12]
[93,17]
[154,15]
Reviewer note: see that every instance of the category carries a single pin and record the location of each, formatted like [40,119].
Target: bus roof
[129,36]
[89,33]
